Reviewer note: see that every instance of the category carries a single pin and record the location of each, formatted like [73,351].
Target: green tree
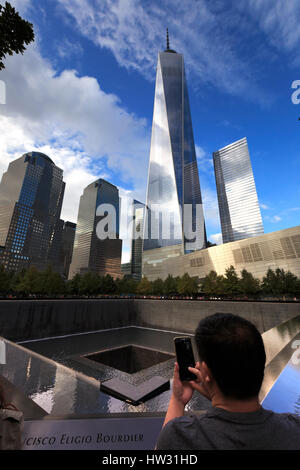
[213,284]
[108,285]
[291,284]
[170,285]
[73,285]
[187,285]
[144,287]
[89,284]
[29,281]
[126,285]
[15,32]
[16,280]
[51,282]
[5,280]
[249,285]
[273,282]
[231,282]
[132,286]
[158,286]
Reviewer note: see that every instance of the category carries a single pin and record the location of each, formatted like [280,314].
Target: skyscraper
[91,253]
[31,195]
[66,248]
[137,240]
[238,203]
[135,210]
[174,215]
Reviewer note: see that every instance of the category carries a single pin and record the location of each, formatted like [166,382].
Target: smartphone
[185,357]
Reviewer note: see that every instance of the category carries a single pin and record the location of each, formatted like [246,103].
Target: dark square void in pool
[130,358]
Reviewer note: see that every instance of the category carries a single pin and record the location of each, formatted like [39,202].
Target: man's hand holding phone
[183,390]
[188,376]
[199,383]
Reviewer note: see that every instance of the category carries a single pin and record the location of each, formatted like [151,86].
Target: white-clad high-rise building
[237,197]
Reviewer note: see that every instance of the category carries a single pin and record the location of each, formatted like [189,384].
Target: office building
[66,248]
[94,251]
[126,269]
[137,239]
[238,203]
[173,202]
[31,195]
[135,221]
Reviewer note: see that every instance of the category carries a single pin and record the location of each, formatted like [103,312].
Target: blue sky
[83,93]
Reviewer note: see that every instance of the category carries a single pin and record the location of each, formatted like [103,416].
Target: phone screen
[185,357]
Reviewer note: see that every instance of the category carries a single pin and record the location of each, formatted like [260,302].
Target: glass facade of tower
[31,195]
[66,248]
[238,203]
[90,253]
[137,240]
[173,180]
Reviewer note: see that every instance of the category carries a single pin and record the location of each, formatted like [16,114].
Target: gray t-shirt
[221,429]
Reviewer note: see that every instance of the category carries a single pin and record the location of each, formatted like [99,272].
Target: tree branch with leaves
[15,33]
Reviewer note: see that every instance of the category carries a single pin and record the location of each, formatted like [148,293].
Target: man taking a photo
[230,374]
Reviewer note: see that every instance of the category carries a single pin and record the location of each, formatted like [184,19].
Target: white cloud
[216,238]
[205,161]
[279,20]
[83,129]
[126,254]
[264,206]
[210,207]
[274,219]
[66,48]
[134,32]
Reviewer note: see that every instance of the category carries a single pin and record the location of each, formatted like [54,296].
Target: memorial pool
[58,375]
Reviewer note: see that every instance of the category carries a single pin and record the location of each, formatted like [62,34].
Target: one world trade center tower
[174,215]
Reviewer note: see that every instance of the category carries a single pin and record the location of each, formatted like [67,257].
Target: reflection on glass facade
[137,240]
[135,222]
[102,256]
[66,248]
[31,195]
[238,203]
[173,179]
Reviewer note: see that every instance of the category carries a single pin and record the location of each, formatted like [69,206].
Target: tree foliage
[170,285]
[144,287]
[231,282]
[15,32]
[249,285]
[31,282]
[213,284]
[280,282]
[187,285]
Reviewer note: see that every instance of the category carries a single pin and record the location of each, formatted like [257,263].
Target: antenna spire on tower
[168,42]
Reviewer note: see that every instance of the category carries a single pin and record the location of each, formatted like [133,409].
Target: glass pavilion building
[31,196]
[91,253]
[237,197]
[174,219]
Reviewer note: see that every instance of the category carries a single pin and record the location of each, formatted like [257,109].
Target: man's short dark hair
[233,349]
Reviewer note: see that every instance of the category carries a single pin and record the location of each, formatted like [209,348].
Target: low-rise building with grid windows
[274,250]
